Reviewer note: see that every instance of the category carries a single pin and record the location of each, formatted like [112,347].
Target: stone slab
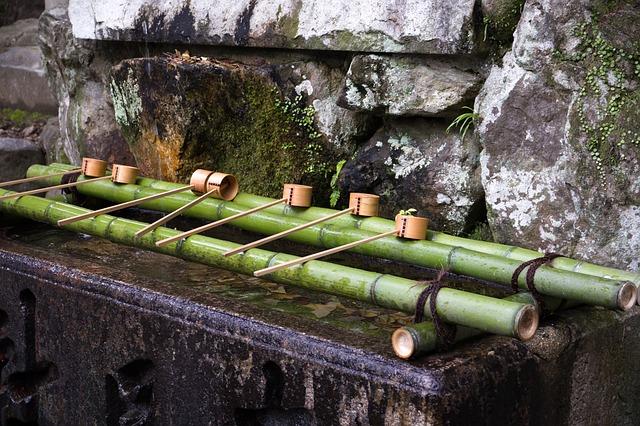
[21,33]
[421,26]
[101,331]
[23,81]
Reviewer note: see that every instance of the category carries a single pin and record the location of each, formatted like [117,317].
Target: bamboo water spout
[454,306]
[551,281]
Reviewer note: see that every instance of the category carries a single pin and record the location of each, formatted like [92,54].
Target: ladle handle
[287,232]
[318,255]
[217,223]
[174,213]
[119,206]
[34,178]
[49,188]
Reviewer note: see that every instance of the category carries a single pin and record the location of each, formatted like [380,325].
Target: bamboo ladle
[409,227]
[91,167]
[293,195]
[206,184]
[360,204]
[214,185]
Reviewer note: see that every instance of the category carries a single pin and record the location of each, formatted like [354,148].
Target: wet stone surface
[115,335]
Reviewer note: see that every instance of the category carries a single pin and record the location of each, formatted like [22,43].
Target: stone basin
[95,332]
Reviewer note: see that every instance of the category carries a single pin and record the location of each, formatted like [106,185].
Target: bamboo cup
[91,167]
[292,195]
[360,204]
[119,174]
[409,227]
[206,184]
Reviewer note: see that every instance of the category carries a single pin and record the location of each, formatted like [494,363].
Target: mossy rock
[182,113]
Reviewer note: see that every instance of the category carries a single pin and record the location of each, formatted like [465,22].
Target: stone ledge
[420,26]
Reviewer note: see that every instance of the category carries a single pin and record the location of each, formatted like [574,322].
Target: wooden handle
[287,232]
[120,206]
[49,188]
[217,223]
[324,253]
[31,179]
[175,213]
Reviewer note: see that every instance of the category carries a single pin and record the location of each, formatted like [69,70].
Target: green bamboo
[550,281]
[414,340]
[455,306]
[379,225]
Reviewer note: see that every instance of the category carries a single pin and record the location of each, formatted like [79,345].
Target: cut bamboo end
[297,195]
[412,227]
[225,186]
[627,296]
[526,323]
[403,343]
[364,204]
[199,180]
[93,167]
[124,174]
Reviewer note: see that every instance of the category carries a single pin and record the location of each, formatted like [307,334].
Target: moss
[288,24]
[500,22]
[264,138]
[607,110]
[20,117]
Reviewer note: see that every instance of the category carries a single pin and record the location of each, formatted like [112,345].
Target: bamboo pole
[120,206]
[285,233]
[47,189]
[174,214]
[555,282]
[377,224]
[454,306]
[35,178]
[318,255]
[414,340]
[215,224]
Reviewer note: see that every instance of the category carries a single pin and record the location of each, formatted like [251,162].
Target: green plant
[464,121]
[408,212]
[605,106]
[335,191]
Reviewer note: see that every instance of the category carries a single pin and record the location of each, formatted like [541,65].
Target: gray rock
[409,86]
[52,4]
[320,85]
[24,82]
[560,165]
[14,10]
[416,164]
[20,33]
[16,155]
[424,26]
[85,111]
[50,140]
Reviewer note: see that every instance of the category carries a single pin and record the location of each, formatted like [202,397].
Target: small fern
[408,212]
[464,121]
[335,191]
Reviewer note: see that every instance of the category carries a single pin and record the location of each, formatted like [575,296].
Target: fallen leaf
[321,310]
